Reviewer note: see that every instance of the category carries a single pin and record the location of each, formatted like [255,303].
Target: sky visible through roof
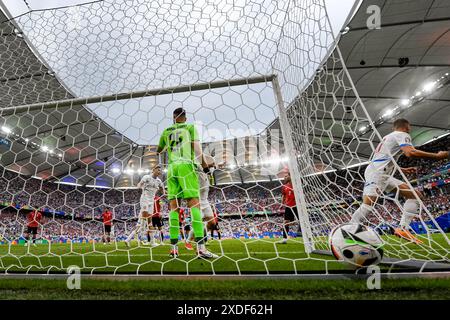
[88,68]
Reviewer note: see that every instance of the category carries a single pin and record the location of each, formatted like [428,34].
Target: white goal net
[87,90]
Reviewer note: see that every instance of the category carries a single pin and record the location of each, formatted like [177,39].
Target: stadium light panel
[6,130]
[115,170]
[96,186]
[405,102]
[44,148]
[69,183]
[357,165]
[429,86]
[388,113]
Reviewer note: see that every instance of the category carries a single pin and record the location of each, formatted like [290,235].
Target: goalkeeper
[184,152]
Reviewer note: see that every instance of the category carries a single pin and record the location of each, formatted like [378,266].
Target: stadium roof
[416,30]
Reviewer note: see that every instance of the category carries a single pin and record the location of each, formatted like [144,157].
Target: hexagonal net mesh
[87,91]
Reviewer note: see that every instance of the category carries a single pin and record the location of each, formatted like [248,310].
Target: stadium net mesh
[87,90]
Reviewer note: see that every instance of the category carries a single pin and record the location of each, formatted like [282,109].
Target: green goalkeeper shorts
[182,181]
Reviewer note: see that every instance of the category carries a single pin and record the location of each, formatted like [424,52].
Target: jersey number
[176,142]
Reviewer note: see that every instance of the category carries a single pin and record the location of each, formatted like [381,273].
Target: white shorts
[378,182]
[146,206]
[205,206]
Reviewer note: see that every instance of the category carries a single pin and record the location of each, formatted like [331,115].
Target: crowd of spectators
[74,211]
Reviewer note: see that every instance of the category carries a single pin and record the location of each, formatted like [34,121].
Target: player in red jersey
[107,217]
[215,226]
[290,205]
[33,221]
[184,228]
[157,221]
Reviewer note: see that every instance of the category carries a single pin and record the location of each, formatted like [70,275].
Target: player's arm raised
[409,170]
[162,143]
[198,152]
[411,152]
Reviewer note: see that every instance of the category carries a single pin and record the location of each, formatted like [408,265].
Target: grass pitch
[257,256]
[235,257]
[240,289]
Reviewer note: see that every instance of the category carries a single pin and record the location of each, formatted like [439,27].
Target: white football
[356,244]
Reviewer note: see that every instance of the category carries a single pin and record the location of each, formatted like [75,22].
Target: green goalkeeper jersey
[178,139]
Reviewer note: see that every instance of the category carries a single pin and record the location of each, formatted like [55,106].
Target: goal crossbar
[137,94]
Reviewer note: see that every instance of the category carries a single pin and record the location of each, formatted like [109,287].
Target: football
[356,244]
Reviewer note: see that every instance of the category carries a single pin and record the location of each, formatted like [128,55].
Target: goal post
[293,155]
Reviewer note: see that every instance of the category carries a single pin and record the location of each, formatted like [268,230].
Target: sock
[131,235]
[361,213]
[205,234]
[174,226]
[197,222]
[149,239]
[161,234]
[285,231]
[143,228]
[218,234]
[191,234]
[410,210]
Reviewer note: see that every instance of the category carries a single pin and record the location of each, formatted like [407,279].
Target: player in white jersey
[379,176]
[150,185]
[205,206]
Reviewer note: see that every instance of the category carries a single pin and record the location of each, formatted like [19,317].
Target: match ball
[356,244]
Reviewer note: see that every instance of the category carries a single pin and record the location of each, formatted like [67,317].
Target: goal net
[87,90]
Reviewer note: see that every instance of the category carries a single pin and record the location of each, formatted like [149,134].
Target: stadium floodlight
[115,170]
[405,102]
[6,130]
[388,113]
[429,86]
[44,148]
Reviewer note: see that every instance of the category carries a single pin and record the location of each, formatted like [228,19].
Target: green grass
[292,289]
[263,256]
[250,256]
